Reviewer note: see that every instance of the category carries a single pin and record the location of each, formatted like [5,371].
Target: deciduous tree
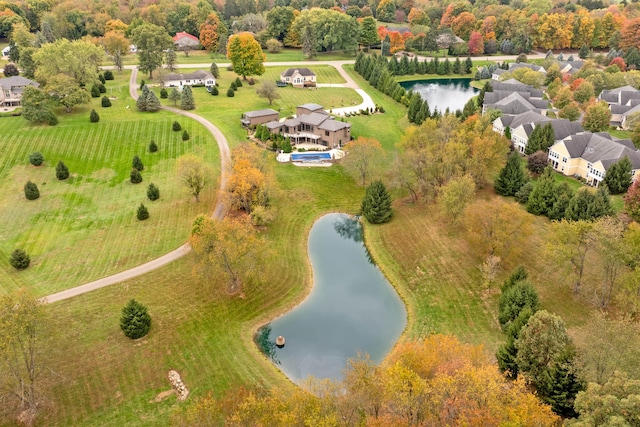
[151,41]
[78,60]
[245,55]
[65,91]
[364,159]
[37,106]
[194,174]
[211,31]
[117,46]
[455,195]
[596,117]
[247,185]
[268,90]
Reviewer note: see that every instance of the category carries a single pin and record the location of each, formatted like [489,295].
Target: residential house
[513,103]
[197,78]
[258,117]
[623,103]
[309,108]
[570,67]
[517,65]
[11,89]
[495,75]
[589,155]
[185,41]
[299,77]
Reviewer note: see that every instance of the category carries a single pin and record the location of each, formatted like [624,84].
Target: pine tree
[560,384]
[515,299]
[95,91]
[106,102]
[153,147]
[185,135]
[142,213]
[231,93]
[543,195]
[414,106]
[176,126]
[507,353]
[94,117]
[31,191]
[153,192]
[163,93]
[238,82]
[386,46]
[135,320]
[187,103]
[108,75]
[376,205]
[137,163]
[512,177]
[153,103]
[583,53]
[468,65]
[62,172]
[174,96]
[214,91]
[141,103]
[135,177]
[214,70]
[19,259]
[618,177]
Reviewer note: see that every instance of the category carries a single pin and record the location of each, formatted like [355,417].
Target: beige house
[11,90]
[258,117]
[589,155]
[299,77]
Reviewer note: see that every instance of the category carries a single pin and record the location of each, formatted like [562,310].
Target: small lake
[351,309]
[443,93]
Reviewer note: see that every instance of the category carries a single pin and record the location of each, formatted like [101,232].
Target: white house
[299,77]
[199,78]
[11,90]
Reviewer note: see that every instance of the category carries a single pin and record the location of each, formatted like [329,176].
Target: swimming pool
[310,157]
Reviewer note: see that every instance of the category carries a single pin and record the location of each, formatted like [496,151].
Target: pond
[443,93]
[351,309]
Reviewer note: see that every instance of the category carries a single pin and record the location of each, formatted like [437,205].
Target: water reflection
[443,94]
[349,228]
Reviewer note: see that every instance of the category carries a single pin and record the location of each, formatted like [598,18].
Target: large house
[512,97]
[589,155]
[11,90]
[623,103]
[183,40]
[200,78]
[299,77]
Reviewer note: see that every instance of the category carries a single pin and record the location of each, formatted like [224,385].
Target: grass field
[85,227]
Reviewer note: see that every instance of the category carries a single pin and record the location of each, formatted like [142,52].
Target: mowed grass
[85,228]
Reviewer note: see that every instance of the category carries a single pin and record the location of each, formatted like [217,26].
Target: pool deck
[335,154]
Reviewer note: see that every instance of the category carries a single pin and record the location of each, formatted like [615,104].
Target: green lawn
[85,228]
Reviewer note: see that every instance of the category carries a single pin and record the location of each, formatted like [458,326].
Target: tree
[376,205]
[583,93]
[76,60]
[229,245]
[176,127]
[185,135]
[175,96]
[571,111]
[245,55]
[23,324]
[211,31]
[455,195]
[618,177]
[512,177]
[231,93]
[583,53]
[613,403]
[153,147]
[37,106]
[171,58]
[268,90]
[569,245]
[10,69]
[596,117]
[476,43]
[214,70]
[142,213]
[247,184]
[544,194]
[187,102]
[135,177]
[364,159]
[194,174]
[152,101]
[314,26]
[31,191]
[153,192]
[66,92]
[135,320]
[151,41]
[386,11]
[632,200]
[62,171]
[36,158]
[106,102]
[19,259]
[94,117]
[541,138]
[507,353]
[136,163]
[561,383]
[513,300]
[117,46]
[368,32]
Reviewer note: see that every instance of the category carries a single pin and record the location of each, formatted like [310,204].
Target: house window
[326,133]
[564,160]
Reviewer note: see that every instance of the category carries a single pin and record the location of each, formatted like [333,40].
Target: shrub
[522,195]
[229,67]
[274,45]
[135,321]
[94,117]
[214,91]
[185,135]
[261,216]
[106,102]
[108,75]
[153,192]
[231,93]
[176,126]
[163,93]
[31,191]
[19,259]
[102,88]
[36,158]
[153,147]
[101,78]
[234,86]
[95,92]
[238,82]
[251,81]
[136,176]
[137,163]
[142,213]
[62,171]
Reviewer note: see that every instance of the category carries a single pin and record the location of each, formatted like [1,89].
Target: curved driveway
[154,264]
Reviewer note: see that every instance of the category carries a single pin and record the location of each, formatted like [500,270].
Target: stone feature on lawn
[176,382]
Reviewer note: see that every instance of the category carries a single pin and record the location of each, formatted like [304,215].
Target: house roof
[513,104]
[274,125]
[303,72]
[17,81]
[200,74]
[333,125]
[516,65]
[620,95]
[184,34]
[260,113]
[499,71]
[601,147]
[512,85]
[563,128]
[528,117]
[311,107]
[292,122]
[313,119]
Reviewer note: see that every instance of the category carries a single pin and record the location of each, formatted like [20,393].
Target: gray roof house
[623,103]
[299,77]
[200,77]
[513,103]
[257,117]
[11,89]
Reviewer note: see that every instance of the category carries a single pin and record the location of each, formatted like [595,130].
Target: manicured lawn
[85,228]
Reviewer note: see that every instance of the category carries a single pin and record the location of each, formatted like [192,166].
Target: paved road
[218,213]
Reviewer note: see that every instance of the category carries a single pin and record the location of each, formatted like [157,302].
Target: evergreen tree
[386,46]
[563,198]
[102,88]
[187,103]
[515,299]
[601,205]
[95,91]
[153,103]
[618,177]
[507,353]
[31,191]
[541,139]
[185,135]
[214,70]
[175,96]
[376,205]
[468,65]
[238,82]
[176,126]
[141,102]
[36,158]
[561,383]
[19,259]
[446,67]
[135,320]
[512,177]
[231,93]
[153,192]
[137,163]
[583,53]
[142,213]
[108,75]
[518,275]
[214,91]
[106,102]
[414,107]
[233,86]
[94,117]
[153,147]
[543,195]
[135,177]
[102,79]
[62,172]
[457,66]
[163,93]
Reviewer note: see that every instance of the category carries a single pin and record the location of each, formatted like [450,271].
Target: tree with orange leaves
[211,30]
[397,41]
[463,25]
[247,186]
[630,34]
[476,44]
